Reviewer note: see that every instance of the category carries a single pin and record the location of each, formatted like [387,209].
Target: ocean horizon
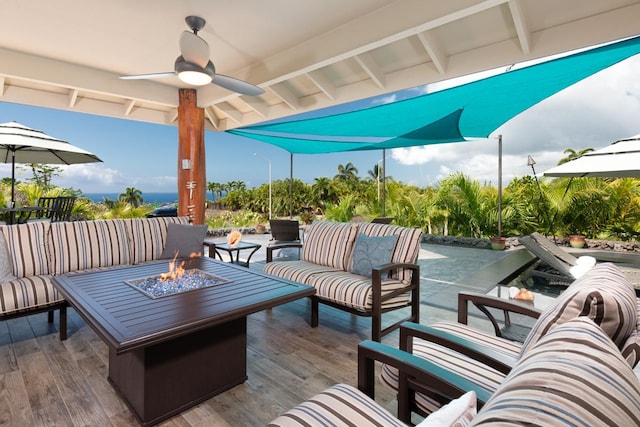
[151,198]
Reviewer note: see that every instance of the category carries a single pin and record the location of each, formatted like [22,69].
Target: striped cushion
[329,243]
[27,247]
[586,383]
[147,236]
[466,367]
[340,405]
[26,293]
[81,245]
[355,291]
[603,294]
[631,347]
[298,271]
[507,347]
[406,250]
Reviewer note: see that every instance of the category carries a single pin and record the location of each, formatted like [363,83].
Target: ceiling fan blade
[149,76]
[194,49]
[237,85]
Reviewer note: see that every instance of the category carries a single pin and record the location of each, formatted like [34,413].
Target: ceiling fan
[194,67]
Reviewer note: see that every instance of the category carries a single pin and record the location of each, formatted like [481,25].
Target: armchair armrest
[377,297]
[283,245]
[415,374]
[387,268]
[488,356]
[483,302]
[379,271]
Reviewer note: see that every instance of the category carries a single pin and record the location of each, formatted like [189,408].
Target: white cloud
[387,99]
[98,178]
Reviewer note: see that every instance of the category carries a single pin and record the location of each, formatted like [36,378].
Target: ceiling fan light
[195,78]
[191,73]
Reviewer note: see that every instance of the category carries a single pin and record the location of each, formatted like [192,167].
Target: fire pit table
[169,353]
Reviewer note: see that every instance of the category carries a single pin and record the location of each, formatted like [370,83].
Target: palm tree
[375,174]
[347,172]
[216,189]
[573,154]
[324,192]
[131,196]
[235,186]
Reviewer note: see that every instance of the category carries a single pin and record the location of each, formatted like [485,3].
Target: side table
[215,248]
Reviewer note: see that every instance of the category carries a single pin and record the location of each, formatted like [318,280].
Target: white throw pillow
[457,413]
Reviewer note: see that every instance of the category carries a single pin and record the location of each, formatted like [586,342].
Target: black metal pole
[384,182]
[291,186]
[499,185]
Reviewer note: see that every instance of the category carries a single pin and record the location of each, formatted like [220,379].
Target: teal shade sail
[472,110]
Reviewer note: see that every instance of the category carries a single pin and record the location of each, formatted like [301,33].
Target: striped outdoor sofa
[603,294]
[340,260]
[30,254]
[573,375]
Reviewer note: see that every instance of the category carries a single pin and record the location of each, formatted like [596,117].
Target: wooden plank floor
[46,382]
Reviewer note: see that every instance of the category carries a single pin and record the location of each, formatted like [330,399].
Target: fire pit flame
[175,272]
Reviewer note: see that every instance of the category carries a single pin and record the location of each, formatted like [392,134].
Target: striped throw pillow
[329,243]
[27,247]
[82,245]
[603,294]
[574,376]
[631,347]
[340,405]
[147,236]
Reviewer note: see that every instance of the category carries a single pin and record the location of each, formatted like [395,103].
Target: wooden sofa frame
[376,312]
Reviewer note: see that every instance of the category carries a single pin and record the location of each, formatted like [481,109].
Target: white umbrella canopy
[620,159]
[22,144]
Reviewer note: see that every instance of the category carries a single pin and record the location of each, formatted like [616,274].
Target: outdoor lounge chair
[284,230]
[603,294]
[556,263]
[383,220]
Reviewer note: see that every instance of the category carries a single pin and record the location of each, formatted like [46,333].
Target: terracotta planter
[498,243]
[577,241]
[260,229]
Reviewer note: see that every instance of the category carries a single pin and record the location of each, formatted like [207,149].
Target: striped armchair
[603,295]
[573,375]
[30,254]
[332,262]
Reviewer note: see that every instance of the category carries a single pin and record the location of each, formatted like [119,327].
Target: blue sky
[592,113]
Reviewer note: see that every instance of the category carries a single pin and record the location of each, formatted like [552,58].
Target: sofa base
[377,331]
[49,309]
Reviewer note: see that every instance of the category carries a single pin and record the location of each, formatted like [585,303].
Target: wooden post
[192,176]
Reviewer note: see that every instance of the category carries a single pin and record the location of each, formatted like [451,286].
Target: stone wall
[512,242]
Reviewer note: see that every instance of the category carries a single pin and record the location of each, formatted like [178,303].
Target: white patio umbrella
[21,144]
[618,160]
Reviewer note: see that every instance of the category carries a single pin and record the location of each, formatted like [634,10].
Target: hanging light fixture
[193,74]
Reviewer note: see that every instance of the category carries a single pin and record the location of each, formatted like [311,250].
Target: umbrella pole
[13,178]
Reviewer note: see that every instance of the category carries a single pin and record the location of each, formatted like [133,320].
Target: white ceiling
[306,54]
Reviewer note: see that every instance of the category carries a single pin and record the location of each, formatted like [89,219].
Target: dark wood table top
[127,319]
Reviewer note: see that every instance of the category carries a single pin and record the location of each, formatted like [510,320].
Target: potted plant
[577,241]
[498,243]
[261,229]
